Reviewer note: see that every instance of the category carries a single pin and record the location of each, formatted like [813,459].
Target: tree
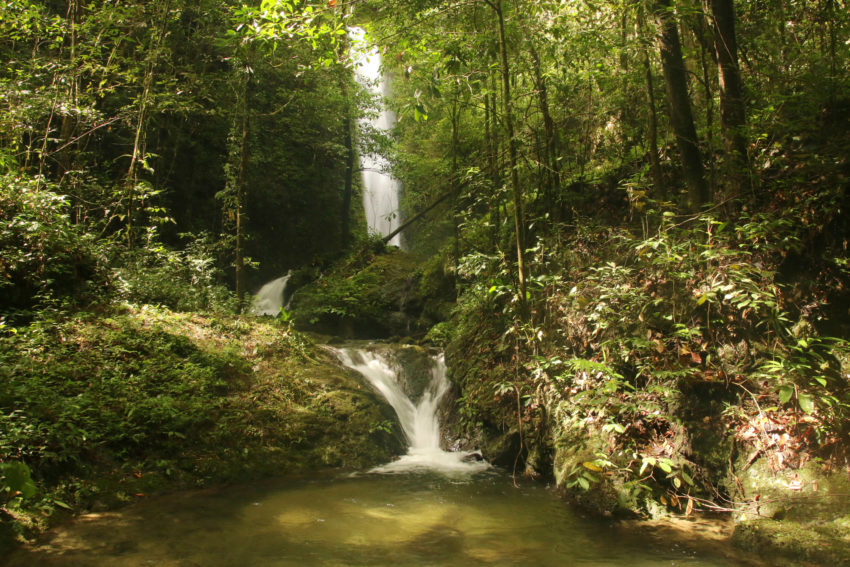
[732,104]
[679,105]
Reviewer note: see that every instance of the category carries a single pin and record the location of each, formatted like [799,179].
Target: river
[429,507]
[366,519]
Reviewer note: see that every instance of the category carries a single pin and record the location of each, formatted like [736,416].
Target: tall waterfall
[269,299]
[419,420]
[380,189]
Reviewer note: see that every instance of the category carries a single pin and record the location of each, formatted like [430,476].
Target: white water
[269,300]
[420,421]
[380,189]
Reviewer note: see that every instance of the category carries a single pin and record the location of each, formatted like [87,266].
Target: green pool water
[365,519]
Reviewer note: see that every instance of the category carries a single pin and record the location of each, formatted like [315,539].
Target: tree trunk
[550,142]
[346,76]
[519,217]
[652,131]
[679,106]
[490,130]
[732,107]
[240,196]
[350,157]
[456,219]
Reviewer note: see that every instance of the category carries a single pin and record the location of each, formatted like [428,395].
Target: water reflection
[370,520]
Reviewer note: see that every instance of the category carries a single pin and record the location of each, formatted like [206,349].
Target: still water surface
[366,519]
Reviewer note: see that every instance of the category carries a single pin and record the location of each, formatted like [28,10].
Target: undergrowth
[670,344]
[100,409]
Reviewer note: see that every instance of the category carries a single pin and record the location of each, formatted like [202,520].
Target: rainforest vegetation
[626,221]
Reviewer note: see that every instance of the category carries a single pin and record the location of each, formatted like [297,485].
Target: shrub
[42,254]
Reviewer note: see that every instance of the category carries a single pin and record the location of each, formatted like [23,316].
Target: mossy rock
[576,448]
[417,364]
[379,300]
[219,399]
[787,542]
[793,514]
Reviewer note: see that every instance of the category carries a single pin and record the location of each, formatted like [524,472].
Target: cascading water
[269,300]
[419,420]
[380,189]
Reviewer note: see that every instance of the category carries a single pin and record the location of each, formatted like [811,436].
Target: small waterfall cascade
[269,300]
[419,419]
[380,189]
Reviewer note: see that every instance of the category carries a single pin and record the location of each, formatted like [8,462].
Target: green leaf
[785,393]
[16,477]
[807,403]
[647,462]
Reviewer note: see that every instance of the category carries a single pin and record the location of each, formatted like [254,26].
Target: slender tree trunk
[348,187]
[348,125]
[550,143]
[519,217]
[139,141]
[652,131]
[706,53]
[732,105]
[652,115]
[69,124]
[240,195]
[350,158]
[679,106]
[490,129]
[455,119]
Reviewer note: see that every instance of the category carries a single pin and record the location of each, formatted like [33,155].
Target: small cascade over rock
[269,300]
[415,392]
[380,189]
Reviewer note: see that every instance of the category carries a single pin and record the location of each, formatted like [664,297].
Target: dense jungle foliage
[628,225]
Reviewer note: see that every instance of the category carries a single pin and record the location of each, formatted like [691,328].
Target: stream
[429,507]
[363,519]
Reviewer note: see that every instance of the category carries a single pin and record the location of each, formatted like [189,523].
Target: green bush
[186,280]
[42,254]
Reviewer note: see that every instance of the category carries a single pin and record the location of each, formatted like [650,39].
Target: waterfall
[269,300]
[419,420]
[380,189]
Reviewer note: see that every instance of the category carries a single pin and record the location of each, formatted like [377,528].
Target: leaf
[62,504]
[583,482]
[665,466]
[591,466]
[17,479]
[785,393]
[807,403]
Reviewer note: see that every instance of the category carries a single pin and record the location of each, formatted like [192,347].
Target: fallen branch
[423,212]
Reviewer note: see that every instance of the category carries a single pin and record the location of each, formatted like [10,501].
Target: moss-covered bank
[107,408]
[376,294]
[666,372]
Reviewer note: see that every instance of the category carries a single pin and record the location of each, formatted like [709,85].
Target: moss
[380,296]
[824,543]
[168,401]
